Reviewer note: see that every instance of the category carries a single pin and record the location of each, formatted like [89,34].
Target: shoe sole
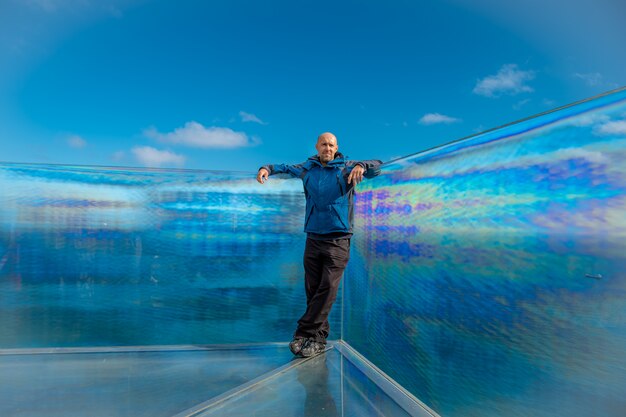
[299,357]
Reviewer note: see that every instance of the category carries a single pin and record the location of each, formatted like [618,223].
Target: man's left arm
[371,166]
[359,169]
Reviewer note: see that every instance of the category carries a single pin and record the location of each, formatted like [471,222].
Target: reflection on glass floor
[195,381]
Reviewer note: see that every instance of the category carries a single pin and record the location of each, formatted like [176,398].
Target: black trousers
[324,263]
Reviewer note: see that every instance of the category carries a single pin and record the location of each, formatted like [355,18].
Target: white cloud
[581,153]
[617,127]
[595,79]
[588,119]
[114,11]
[249,117]
[45,5]
[76,141]
[592,79]
[195,135]
[118,156]
[73,6]
[521,103]
[152,157]
[436,118]
[509,80]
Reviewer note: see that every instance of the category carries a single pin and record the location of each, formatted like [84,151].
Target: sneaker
[297,344]
[312,348]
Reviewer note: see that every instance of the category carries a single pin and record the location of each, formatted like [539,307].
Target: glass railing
[486,279]
[116,257]
[488,276]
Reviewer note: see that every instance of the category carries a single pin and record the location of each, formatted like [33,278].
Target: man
[329,180]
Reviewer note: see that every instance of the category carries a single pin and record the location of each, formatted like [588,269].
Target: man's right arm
[271,169]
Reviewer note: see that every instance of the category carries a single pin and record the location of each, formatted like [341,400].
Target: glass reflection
[314,378]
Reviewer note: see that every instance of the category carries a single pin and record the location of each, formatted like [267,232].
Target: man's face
[326,147]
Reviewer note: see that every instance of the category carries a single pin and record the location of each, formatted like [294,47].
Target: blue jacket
[329,197]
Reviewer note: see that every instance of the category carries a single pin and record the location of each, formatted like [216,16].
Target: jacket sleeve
[293,170]
[371,166]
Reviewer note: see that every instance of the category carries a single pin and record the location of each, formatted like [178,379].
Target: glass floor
[252,380]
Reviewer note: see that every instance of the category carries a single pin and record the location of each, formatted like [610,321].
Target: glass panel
[488,276]
[362,397]
[93,256]
[140,383]
[314,388]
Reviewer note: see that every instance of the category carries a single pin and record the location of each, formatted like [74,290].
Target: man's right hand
[262,176]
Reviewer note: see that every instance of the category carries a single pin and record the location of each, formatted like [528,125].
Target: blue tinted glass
[488,276]
[109,257]
[136,383]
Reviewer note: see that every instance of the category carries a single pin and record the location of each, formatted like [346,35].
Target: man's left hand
[356,176]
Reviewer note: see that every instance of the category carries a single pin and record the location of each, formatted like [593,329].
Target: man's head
[326,147]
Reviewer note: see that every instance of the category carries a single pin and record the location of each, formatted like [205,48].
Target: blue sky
[231,85]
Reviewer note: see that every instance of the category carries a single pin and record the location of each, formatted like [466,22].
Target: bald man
[329,180]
